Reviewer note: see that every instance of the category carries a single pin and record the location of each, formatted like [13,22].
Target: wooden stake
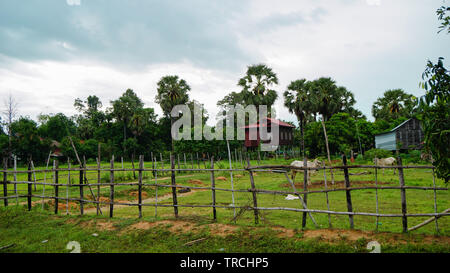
[213,185]
[174,189]
[255,201]
[403,196]
[29,186]
[305,188]
[56,187]
[156,190]
[81,179]
[141,166]
[376,195]
[347,192]
[435,202]
[111,192]
[5,181]
[326,194]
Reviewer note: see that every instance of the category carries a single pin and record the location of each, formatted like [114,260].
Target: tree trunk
[302,130]
[328,149]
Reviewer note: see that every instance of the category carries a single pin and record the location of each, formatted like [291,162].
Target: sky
[54,51]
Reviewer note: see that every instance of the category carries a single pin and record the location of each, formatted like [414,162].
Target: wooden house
[408,135]
[286,132]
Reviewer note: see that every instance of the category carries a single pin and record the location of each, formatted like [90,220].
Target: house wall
[386,141]
[410,134]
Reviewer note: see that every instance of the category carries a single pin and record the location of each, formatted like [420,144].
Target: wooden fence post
[174,189]
[141,166]
[255,201]
[99,180]
[347,192]
[213,186]
[162,162]
[56,187]
[403,195]
[178,160]
[5,181]
[29,185]
[81,182]
[111,192]
[305,188]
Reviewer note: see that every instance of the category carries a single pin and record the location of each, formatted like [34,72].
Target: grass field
[272,222]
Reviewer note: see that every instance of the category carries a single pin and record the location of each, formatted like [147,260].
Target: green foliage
[377,153]
[255,88]
[26,141]
[442,15]
[56,127]
[393,105]
[435,109]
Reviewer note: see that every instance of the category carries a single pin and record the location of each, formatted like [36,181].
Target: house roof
[396,128]
[271,120]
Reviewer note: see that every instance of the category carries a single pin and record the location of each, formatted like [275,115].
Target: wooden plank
[348,193]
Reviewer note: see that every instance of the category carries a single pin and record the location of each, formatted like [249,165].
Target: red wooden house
[286,132]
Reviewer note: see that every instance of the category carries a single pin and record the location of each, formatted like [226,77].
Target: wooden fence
[282,169]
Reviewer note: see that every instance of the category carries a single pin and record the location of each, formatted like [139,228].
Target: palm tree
[393,105]
[296,99]
[172,91]
[255,89]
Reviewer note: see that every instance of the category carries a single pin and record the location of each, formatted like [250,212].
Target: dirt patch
[136,194]
[62,205]
[179,227]
[196,182]
[221,178]
[238,176]
[100,225]
[222,230]
[284,232]
[172,226]
[337,184]
[336,235]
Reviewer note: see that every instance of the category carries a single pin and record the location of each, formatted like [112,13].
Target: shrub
[379,153]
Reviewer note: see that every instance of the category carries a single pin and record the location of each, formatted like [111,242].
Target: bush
[379,153]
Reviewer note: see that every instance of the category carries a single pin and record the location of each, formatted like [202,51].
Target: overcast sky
[54,51]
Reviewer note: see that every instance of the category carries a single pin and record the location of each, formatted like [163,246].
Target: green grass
[40,231]
[418,201]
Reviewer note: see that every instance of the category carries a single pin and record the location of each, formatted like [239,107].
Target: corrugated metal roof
[396,128]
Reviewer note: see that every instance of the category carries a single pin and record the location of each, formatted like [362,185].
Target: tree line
[328,121]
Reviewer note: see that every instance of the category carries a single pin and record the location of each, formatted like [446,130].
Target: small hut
[407,136]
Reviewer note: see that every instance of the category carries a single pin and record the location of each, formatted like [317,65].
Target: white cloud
[73,2]
[373,2]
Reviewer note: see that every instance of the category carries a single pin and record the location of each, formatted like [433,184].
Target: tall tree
[9,114]
[435,108]
[296,99]
[256,88]
[172,91]
[394,104]
[124,109]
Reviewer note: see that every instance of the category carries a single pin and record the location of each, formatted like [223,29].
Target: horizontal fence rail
[83,182]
